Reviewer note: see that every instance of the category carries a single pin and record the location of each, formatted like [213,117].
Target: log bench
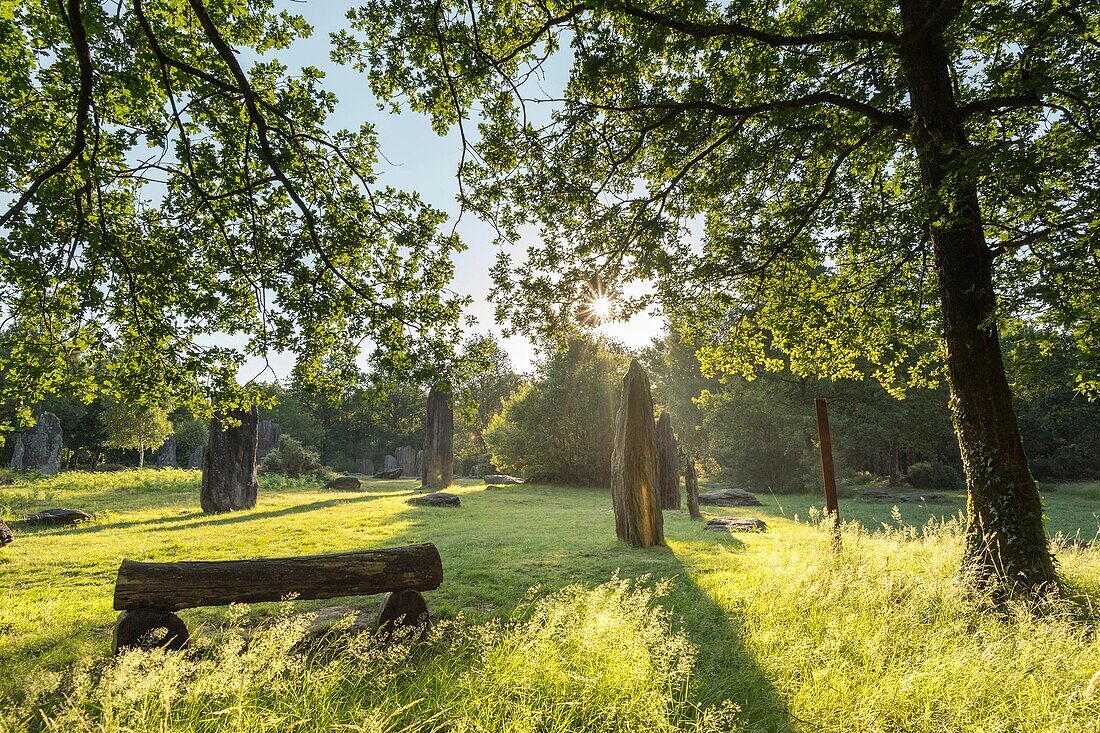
[149,593]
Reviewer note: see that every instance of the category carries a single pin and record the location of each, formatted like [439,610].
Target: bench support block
[149,628]
[402,608]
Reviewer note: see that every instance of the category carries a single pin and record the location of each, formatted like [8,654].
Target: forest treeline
[555,423]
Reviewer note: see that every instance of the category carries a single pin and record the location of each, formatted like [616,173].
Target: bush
[934,475]
[291,459]
[560,427]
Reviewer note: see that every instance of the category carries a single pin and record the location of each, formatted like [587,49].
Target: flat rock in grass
[729,497]
[344,483]
[58,516]
[876,494]
[737,524]
[437,498]
[495,487]
[920,497]
[500,478]
[346,618]
[6,537]
[393,473]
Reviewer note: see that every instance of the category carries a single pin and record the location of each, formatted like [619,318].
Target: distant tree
[560,426]
[294,411]
[190,434]
[135,426]
[481,397]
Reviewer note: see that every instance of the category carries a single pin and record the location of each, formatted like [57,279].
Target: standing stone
[439,434]
[389,463]
[634,488]
[39,448]
[691,487]
[668,466]
[419,465]
[229,465]
[195,459]
[166,454]
[366,467]
[269,434]
[406,458]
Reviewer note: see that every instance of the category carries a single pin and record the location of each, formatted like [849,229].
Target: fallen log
[177,585]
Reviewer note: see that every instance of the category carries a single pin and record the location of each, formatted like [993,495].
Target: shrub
[560,427]
[934,475]
[291,459]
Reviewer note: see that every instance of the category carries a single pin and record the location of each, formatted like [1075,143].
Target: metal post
[829,473]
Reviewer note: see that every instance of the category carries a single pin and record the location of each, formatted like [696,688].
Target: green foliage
[782,138]
[678,382]
[560,426]
[166,178]
[479,399]
[1062,429]
[190,434]
[291,459]
[757,441]
[292,409]
[135,426]
[933,475]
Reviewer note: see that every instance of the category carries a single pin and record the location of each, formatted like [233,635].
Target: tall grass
[600,659]
[882,636]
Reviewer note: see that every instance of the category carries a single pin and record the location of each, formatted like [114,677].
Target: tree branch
[74,19]
[897,120]
[778,40]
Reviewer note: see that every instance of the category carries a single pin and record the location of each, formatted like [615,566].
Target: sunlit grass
[877,637]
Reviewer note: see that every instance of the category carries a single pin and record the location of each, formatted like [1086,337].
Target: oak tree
[851,184]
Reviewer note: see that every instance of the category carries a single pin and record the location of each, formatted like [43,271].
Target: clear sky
[417,159]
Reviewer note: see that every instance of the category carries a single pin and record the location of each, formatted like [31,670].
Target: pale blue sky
[417,159]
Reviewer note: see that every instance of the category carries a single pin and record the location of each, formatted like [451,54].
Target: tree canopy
[166,181]
[757,162]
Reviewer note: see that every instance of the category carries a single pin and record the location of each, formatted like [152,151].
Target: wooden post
[832,508]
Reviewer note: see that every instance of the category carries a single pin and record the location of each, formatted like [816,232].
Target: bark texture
[171,586]
[439,429]
[1006,541]
[691,487]
[229,465]
[668,464]
[634,489]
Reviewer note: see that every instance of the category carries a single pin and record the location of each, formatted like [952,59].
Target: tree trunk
[691,487]
[437,470]
[1005,542]
[634,490]
[668,465]
[229,465]
[141,455]
[171,586]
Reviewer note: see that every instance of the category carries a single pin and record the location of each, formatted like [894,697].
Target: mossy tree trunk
[1006,543]
[634,489]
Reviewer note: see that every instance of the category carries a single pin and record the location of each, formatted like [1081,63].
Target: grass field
[768,632]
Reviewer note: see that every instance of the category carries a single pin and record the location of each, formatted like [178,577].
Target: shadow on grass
[198,518]
[725,669]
